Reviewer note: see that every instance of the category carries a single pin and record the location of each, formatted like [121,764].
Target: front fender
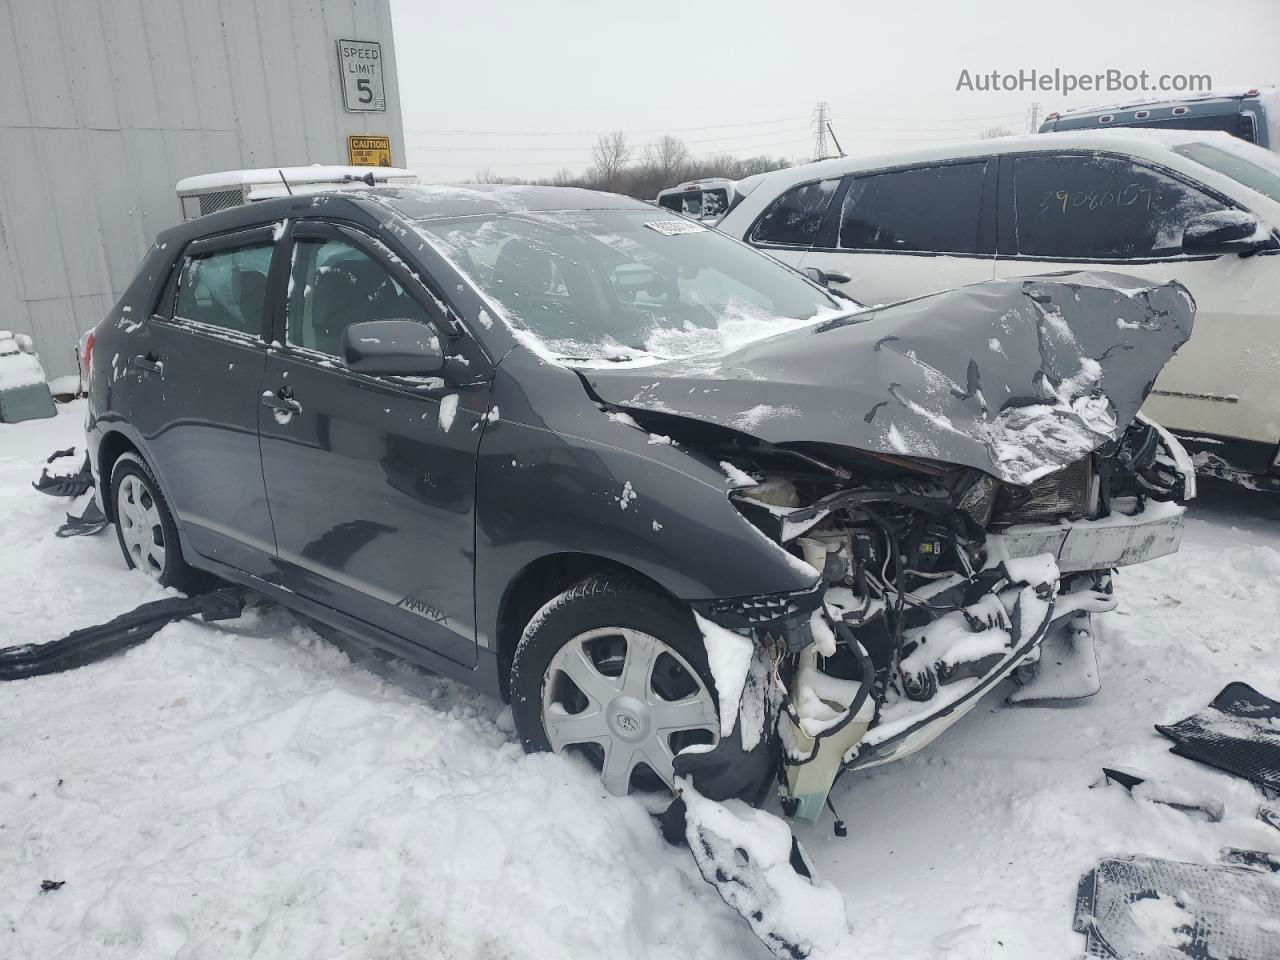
[557,475]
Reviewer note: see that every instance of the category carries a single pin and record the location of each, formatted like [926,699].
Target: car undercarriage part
[65,485]
[935,583]
[1235,733]
[1144,788]
[90,521]
[91,644]
[761,871]
[1150,908]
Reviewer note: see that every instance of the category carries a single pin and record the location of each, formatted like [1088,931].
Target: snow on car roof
[1223,93]
[1129,139]
[438,201]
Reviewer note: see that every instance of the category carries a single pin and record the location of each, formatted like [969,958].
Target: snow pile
[19,366]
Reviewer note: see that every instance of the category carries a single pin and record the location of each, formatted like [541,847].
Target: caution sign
[365,151]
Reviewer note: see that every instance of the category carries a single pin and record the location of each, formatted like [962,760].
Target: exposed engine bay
[935,583]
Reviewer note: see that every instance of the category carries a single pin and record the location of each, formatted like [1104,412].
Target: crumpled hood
[1017,378]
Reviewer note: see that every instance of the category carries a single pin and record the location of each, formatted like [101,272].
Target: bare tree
[611,154]
[668,158]
[992,132]
[564,177]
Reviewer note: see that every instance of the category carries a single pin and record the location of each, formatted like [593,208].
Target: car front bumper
[1115,541]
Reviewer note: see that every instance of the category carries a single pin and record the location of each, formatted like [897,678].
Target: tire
[145,529]
[616,671]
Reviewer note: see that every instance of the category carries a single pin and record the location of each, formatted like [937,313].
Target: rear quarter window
[226,289]
[795,217]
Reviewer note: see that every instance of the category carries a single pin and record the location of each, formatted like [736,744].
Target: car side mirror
[1224,231]
[817,276]
[402,348]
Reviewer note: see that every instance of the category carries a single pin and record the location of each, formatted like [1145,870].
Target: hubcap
[138,514]
[629,702]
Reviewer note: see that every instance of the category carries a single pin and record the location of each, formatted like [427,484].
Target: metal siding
[109,102]
[43,63]
[88,62]
[131,64]
[13,104]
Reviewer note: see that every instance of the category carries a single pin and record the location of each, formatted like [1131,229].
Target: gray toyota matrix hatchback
[690,513]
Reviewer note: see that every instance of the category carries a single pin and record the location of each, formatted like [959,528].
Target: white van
[1199,207]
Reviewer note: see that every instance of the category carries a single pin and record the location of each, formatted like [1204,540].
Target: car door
[199,364]
[371,480]
[903,233]
[1066,210]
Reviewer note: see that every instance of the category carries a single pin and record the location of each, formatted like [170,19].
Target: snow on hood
[1017,378]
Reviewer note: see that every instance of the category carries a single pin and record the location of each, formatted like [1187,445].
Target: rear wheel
[145,528]
[615,672]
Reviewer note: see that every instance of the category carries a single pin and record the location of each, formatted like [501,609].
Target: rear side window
[795,217]
[333,285]
[925,209]
[226,289]
[1088,207]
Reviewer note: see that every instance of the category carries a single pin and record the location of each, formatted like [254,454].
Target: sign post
[360,68]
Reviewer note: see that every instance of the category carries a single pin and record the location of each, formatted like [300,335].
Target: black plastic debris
[1142,908]
[1141,787]
[91,521]
[1257,859]
[1238,732]
[48,885]
[1270,815]
[91,644]
[65,485]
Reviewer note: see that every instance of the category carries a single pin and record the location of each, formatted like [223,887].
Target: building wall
[106,104]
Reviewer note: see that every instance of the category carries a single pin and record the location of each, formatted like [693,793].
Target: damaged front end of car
[953,536]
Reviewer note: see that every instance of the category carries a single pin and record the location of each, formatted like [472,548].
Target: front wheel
[615,672]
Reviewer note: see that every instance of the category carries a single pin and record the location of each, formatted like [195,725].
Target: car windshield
[1256,168]
[599,285]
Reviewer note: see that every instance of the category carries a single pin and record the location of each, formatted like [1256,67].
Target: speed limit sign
[360,64]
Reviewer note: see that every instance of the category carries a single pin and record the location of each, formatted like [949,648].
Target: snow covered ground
[243,790]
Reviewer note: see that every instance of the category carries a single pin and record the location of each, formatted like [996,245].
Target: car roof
[370,206]
[1126,140]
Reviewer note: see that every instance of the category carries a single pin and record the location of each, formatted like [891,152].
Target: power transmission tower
[1033,115]
[821,126]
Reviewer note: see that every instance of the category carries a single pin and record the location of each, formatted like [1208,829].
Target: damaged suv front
[962,473]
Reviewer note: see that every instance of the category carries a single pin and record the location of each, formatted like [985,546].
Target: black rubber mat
[1239,732]
[1147,909]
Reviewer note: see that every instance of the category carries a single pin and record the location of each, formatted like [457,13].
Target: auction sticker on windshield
[673,228]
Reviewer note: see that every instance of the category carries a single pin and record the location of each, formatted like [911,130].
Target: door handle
[149,362]
[282,400]
[836,277]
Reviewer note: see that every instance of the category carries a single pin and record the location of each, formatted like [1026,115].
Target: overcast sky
[522,88]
